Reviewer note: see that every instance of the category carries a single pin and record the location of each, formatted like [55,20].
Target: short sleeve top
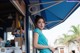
[41,38]
[42,41]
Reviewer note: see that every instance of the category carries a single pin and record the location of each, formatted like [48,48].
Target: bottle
[16,44]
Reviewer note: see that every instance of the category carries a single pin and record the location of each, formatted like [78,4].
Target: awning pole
[32,13]
[43,3]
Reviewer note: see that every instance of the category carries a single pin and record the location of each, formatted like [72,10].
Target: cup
[16,44]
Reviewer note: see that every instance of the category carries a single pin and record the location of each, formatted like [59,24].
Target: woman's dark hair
[37,17]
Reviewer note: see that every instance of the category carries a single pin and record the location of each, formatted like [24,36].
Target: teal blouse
[42,41]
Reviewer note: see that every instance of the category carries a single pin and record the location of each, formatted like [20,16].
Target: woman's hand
[52,49]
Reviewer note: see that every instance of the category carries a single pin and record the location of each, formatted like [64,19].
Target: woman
[40,42]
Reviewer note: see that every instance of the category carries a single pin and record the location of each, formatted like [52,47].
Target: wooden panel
[20,5]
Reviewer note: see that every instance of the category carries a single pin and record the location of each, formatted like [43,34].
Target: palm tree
[61,40]
[76,33]
[76,30]
[66,40]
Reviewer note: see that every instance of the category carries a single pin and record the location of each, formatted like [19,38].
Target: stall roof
[57,13]
[6,8]
[8,13]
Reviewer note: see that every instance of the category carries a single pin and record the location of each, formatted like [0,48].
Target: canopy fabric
[57,13]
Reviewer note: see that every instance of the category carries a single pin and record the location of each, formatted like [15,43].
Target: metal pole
[26,21]
[43,8]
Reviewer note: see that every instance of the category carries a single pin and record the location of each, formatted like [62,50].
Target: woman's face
[40,24]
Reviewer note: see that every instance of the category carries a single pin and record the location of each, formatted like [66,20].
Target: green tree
[76,33]
[66,40]
[76,30]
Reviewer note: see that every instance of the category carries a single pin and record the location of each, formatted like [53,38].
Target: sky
[63,28]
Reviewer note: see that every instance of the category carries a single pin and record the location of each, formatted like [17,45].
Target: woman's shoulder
[36,30]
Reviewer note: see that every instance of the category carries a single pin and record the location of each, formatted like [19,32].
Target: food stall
[12,14]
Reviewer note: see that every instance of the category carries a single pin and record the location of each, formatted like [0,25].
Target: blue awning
[58,13]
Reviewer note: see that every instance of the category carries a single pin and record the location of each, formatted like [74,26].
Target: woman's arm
[38,46]
[35,42]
